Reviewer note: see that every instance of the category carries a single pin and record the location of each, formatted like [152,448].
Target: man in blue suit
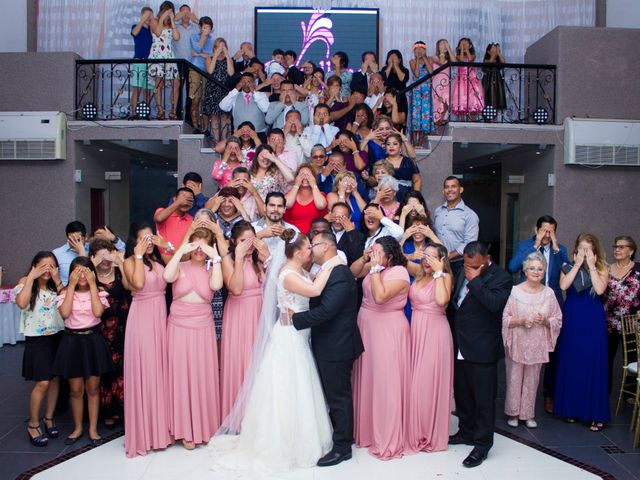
[546,242]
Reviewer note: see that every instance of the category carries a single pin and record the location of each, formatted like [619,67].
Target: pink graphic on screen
[318,30]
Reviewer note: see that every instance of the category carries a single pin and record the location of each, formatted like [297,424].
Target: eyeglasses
[620,247]
[311,245]
[316,157]
[535,269]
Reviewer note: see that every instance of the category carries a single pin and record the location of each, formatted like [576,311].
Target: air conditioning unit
[33,136]
[601,142]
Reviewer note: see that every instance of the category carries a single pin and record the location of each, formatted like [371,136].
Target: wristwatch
[138,257]
[438,274]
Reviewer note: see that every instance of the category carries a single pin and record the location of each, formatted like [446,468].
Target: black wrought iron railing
[490,92]
[118,89]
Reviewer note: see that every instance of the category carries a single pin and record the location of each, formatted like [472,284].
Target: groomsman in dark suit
[482,290]
[546,242]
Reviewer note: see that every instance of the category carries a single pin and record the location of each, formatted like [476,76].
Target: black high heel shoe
[41,440]
[52,431]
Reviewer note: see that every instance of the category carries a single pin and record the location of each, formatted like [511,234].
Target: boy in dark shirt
[142,40]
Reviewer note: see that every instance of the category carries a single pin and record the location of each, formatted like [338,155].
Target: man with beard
[271,226]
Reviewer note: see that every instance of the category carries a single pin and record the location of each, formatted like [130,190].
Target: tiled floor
[507,458]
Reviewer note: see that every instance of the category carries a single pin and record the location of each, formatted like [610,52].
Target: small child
[276,65]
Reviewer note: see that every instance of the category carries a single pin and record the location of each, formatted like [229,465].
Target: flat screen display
[316,34]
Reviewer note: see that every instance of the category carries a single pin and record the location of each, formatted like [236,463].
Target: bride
[279,420]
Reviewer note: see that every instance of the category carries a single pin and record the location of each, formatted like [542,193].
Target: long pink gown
[381,373]
[194,393]
[146,385]
[431,384]
[468,94]
[239,329]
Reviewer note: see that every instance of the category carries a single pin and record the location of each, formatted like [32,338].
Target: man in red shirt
[173,221]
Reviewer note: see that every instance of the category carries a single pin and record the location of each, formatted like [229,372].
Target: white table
[9,318]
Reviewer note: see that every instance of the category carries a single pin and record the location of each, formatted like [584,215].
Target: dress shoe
[458,439]
[475,458]
[334,457]
[548,405]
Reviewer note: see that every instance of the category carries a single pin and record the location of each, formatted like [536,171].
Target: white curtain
[101,28]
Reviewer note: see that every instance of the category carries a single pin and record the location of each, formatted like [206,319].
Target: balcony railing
[119,89]
[491,92]
[461,92]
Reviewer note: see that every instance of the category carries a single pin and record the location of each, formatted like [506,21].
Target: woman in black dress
[110,278]
[493,78]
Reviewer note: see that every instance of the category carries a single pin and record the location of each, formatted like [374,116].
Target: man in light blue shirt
[455,223]
[77,246]
[201,49]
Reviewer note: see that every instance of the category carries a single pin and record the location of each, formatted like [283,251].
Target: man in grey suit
[277,111]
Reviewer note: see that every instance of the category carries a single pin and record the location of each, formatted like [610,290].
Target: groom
[336,343]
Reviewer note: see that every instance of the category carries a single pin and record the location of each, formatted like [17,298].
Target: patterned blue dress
[420,109]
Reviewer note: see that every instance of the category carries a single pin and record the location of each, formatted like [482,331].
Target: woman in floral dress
[220,66]
[110,278]
[268,173]
[164,33]
[623,292]
[420,117]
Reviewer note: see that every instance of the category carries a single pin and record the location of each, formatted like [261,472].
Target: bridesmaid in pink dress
[194,394]
[146,392]
[431,384]
[381,373]
[468,93]
[243,273]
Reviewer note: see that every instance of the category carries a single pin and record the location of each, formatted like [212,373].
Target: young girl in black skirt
[42,327]
[83,355]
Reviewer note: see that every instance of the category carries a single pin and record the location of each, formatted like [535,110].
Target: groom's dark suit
[336,343]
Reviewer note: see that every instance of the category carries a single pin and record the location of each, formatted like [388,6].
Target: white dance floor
[507,459]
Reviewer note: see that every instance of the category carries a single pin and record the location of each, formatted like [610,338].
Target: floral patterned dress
[212,92]
[421,119]
[622,298]
[162,48]
[112,327]
[270,183]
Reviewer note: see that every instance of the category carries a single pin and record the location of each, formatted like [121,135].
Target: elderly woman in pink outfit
[530,327]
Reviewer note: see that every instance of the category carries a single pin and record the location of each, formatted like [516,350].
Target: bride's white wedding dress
[286,424]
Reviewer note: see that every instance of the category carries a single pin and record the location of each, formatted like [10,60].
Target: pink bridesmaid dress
[194,393]
[431,384]
[146,385]
[381,373]
[468,94]
[239,329]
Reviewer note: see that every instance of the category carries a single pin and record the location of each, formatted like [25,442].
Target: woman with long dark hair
[493,78]
[243,274]
[381,374]
[42,327]
[468,95]
[111,278]
[146,383]
[83,356]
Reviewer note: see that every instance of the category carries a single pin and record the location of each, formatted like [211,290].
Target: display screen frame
[354,64]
